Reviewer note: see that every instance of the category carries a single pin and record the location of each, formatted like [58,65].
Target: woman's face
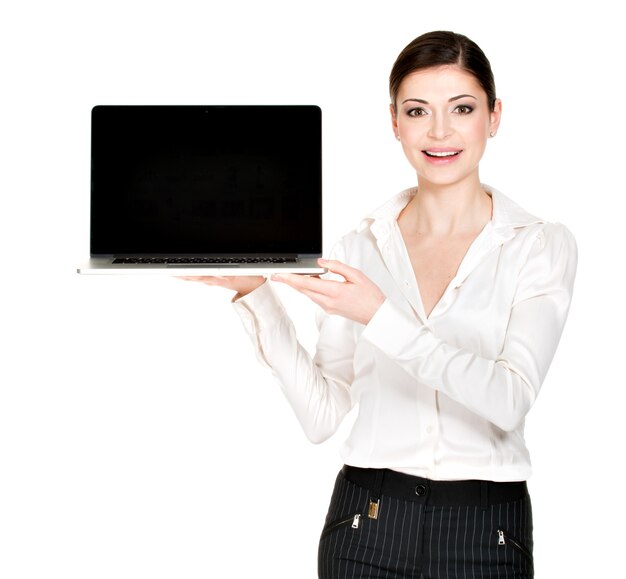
[443,120]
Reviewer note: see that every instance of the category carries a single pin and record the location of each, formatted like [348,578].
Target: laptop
[205,190]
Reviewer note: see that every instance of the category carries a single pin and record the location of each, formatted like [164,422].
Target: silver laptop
[205,190]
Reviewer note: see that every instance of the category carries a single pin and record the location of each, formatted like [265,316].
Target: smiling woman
[441,315]
[438,126]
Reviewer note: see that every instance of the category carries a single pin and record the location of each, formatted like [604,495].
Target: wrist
[380,300]
[248,287]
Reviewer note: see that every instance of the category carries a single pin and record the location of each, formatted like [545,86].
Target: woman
[442,313]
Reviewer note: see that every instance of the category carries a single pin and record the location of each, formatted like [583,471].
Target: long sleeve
[318,388]
[500,390]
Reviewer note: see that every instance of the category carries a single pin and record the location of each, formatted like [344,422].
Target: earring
[398,137]
[492,134]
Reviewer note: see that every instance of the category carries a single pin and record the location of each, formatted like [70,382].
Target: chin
[441,179]
[442,176]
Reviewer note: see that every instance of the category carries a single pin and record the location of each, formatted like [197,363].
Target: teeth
[442,153]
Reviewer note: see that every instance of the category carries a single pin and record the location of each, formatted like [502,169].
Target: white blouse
[443,396]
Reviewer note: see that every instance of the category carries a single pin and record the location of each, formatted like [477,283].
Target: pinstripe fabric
[412,539]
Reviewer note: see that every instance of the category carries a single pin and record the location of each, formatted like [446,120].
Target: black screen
[206,180]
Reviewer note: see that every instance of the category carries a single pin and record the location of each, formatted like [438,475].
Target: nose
[440,126]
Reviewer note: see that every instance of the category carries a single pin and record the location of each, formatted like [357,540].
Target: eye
[463,109]
[416,112]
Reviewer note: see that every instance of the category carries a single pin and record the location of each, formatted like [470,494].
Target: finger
[321,300]
[192,277]
[206,279]
[349,273]
[308,283]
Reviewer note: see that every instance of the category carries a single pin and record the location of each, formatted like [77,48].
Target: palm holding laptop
[357,298]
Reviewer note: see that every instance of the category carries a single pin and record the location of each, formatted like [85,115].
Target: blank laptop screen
[206,180]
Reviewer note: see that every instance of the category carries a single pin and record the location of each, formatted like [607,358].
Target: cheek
[412,154]
[410,132]
[475,131]
[478,130]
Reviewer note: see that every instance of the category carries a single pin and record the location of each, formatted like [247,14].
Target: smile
[439,154]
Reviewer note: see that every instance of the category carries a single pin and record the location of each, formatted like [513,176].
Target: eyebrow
[455,98]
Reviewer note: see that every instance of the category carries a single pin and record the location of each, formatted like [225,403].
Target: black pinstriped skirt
[382,523]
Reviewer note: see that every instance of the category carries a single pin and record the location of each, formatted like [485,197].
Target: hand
[357,298]
[243,284]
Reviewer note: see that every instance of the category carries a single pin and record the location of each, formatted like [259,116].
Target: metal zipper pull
[501,540]
[355,522]
[372,512]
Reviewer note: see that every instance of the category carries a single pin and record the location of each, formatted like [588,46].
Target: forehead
[440,82]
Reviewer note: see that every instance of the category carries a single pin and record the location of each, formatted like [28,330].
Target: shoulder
[513,222]
[550,239]
[557,233]
[549,262]
[542,254]
[552,247]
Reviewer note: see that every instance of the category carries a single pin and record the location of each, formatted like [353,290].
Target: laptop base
[105,266]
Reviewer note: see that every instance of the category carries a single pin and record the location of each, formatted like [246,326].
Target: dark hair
[442,48]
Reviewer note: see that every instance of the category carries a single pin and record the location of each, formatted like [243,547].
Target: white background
[139,437]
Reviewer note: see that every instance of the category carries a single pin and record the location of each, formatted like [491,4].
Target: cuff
[393,330]
[259,309]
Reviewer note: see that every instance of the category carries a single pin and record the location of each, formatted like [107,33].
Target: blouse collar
[506,216]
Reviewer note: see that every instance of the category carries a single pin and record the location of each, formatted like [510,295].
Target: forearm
[488,388]
[320,399]
[501,389]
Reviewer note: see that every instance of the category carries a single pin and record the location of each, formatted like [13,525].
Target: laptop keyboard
[203,260]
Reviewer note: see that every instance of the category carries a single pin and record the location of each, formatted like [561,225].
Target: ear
[494,117]
[394,120]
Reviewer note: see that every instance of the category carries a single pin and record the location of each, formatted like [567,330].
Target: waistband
[440,493]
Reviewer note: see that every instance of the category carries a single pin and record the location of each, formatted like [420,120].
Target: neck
[445,210]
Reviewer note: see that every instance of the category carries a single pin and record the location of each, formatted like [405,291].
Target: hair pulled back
[442,48]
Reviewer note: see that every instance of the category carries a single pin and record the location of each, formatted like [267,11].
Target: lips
[441,153]
[441,156]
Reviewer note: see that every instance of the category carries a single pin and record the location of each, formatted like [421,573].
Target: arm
[318,388]
[501,390]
